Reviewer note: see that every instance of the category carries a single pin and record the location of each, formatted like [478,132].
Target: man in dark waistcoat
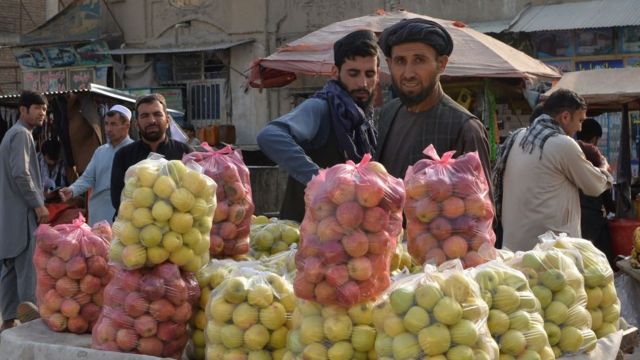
[333,126]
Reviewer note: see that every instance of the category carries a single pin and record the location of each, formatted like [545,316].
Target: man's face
[33,116]
[415,69]
[152,121]
[359,76]
[116,128]
[571,122]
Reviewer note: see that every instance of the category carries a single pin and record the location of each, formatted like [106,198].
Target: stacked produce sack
[146,311]
[247,315]
[602,298]
[514,318]
[232,219]
[272,237]
[449,211]
[165,214]
[433,314]
[559,287]
[352,220]
[71,272]
[209,277]
[331,332]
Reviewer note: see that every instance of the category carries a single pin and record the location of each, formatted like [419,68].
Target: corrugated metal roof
[490,26]
[171,50]
[579,15]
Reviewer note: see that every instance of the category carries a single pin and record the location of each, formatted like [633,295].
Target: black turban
[416,30]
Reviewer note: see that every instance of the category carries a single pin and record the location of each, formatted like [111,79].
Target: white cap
[122,110]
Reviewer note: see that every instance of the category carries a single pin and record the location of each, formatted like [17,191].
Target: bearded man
[152,122]
[417,51]
[331,127]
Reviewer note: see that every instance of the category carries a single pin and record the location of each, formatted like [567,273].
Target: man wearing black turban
[417,52]
[331,127]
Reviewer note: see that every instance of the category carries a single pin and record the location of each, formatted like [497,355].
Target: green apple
[611,314]
[340,350]
[553,279]
[594,277]
[447,311]
[457,286]
[543,294]
[231,336]
[416,319]
[260,295]
[290,235]
[531,276]
[609,295]
[536,338]
[212,332]
[363,338]
[487,279]
[547,353]
[256,337]
[220,310]
[405,346]
[498,322]
[314,351]
[150,236]
[275,315]
[570,340]
[506,299]
[566,295]
[428,295]
[516,281]
[259,355]
[384,345]
[401,300]
[434,339]
[529,355]
[262,240]
[512,342]
[278,338]
[589,340]
[362,313]
[532,260]
[578,317]
[594,297]
[312,329]
[474,310]
[338,328]
[556,312]
[480,355]
[294,342]
[487,296]
[394,325]
[244,316]
[464,333]
[461,352]
[528,301]
[519,320]
[606,329]
[235,290]
[553,332]
[596,318]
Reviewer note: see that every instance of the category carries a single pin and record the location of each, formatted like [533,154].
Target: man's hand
[66,194]
[42,214]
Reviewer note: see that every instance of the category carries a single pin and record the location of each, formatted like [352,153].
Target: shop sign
[599,64]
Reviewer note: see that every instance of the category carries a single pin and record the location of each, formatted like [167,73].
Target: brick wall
[15,19]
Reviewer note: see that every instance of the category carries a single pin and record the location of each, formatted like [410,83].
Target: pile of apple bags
[602,299]
[559,287]
[232,218]
[165,213]
[71,272]
[273,237]
[146,311]
[435,313]
[353,216]
[248,313]
[449,211]
[514,318]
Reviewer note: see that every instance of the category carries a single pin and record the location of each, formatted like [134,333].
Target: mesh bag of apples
[247,315]
[273,237]
[556,282]
[602,299]
[435,313]
[165,214]
[147,311]
[331,332]
[232,218]
[514,318]
[71,272]
[353,216]
[448,211]
[209,278]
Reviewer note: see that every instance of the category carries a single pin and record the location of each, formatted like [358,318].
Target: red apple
[183,313]
[313,269]
[67,248]
[82,298]
[379,242]
[90,311]
[40,259]
[127,339]
[375,219]
[349,215]
[455,247]
[329,229]
[427,209]
[162,309]
[135,305]
[453,207]
[333,253]
[342,189]
[325,293]
[222,211]
[435,256]
[356,244]
[77,325]
[337,275]
[120,319]
[47,238]
[370,193]
[439,188]
[303,289]
[151,346]
[152,287]
[416,188]
[67,287]
[322,208]
[90,284]
[97,265]
[53,300]
[440,228]
[56,267]
[360,268]
[105,331]
[146,326]
[348,294]
[176,291]
[128,280]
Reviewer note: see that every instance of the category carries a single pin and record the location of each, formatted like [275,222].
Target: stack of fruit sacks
[602,298]
[449,211]
[71,272]
[514,319]
[232,219]
[559,287]
[352,219]
[247,316]
[273,237]
[165,214]
[147,311]
[209,277]
[331,332]
[433,314]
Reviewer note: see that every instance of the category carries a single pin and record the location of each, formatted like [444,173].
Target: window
[206,101]
[187,66]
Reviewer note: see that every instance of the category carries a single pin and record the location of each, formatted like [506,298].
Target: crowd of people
[541,180]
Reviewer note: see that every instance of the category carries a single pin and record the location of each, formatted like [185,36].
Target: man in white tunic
[539,171]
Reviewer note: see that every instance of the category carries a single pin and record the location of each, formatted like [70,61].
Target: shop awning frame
[172,50]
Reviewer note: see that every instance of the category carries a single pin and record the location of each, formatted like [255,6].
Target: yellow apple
[256,337]
[157,255]
[141,217]
[164,186]
[260,295]
[181,222]
[244,316]
[172,241]
[182,256]
[143,197]
[161,211]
